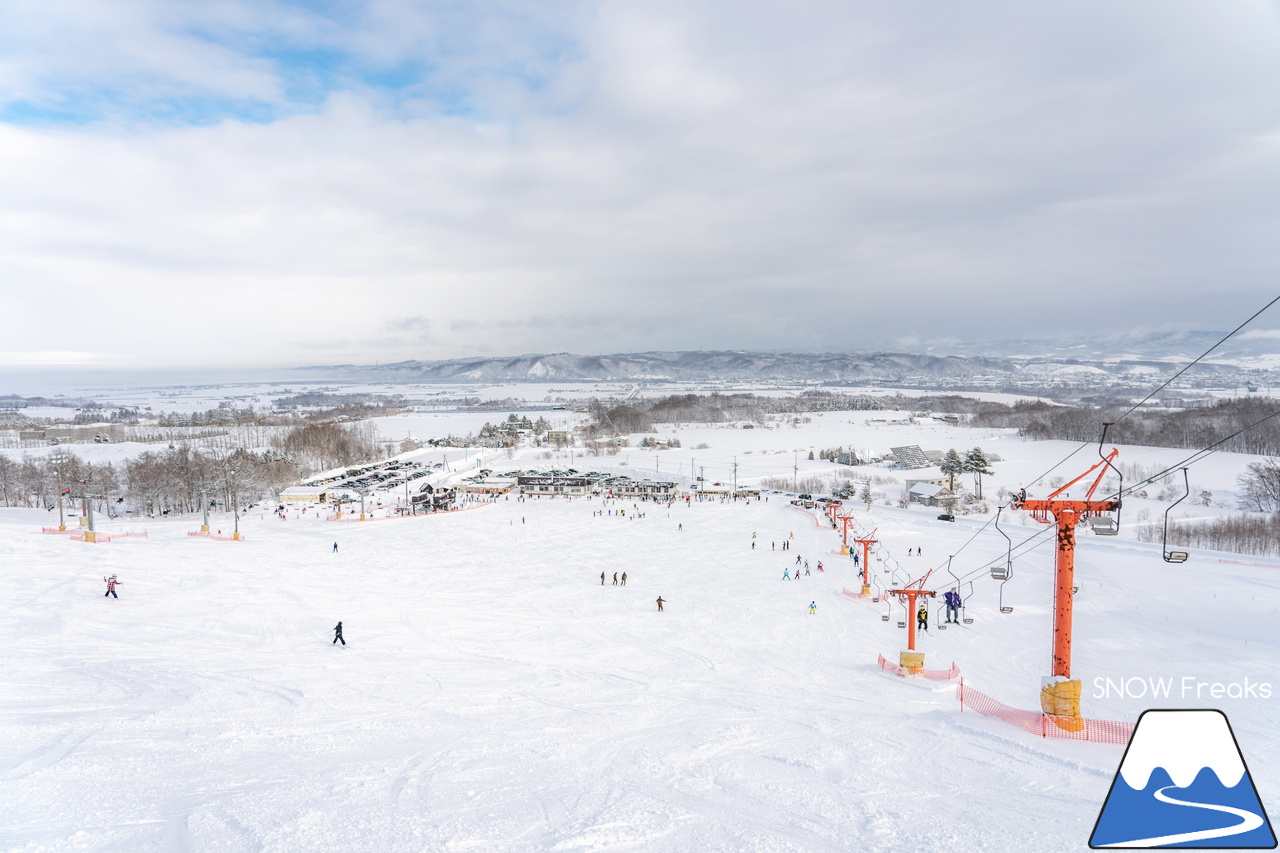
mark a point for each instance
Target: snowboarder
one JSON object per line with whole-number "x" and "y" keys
{"x": 659, "y": 604}
{"x": 813, "y": 608}
{"x": 337, "y": 634}
{"x": 820, "y": 565}
{"x": 111, "y": 583}
{"x": 922, "y": 618}
{"x": 335, "y": 546}
{"x": 624, "y": 578}
{"x": 953, "y": 605}
{"x": 615, "y": 578}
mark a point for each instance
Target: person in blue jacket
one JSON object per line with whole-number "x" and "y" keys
{"x": 953, "y": 605}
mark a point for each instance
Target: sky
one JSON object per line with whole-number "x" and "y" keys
{"x": 259, "y": 183}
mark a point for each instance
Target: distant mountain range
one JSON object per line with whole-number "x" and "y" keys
{"x": 1097, "y": 362}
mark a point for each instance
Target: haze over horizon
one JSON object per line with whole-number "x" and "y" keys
{"x": 278, "y": 184}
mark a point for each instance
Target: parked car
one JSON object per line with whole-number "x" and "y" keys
{"x": 946, "y": 516}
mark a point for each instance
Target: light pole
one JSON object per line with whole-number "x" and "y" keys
{"x": 59, "y": 459}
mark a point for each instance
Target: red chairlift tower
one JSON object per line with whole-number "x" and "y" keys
{"x": 1067, "y": 514}
{"x": 911, "y": 659}
{"x": 866, "y": 561}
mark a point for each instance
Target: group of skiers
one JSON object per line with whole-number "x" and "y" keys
{"x": 615, "y": 579}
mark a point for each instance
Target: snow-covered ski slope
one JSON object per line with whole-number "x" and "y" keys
{"x": 494, "y": 697}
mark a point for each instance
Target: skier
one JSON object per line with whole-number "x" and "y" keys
{"x": 680, "y": 526}
{"x": 111, "y": 583}
{"x": 615, "y": 578}
{"x": 624, "y": 578}
{"x": 753, "y": 544}
{"x": 659, "y": 604}
{"x": 856, "y": 559}
{"x": 953, "y": 605}
{"x": 602, "y": 579}
{"x": 922, "y": 618}
{"x": 797, "y": 559}
{"x": 820, "y": 565}
{"x": 806, "y": 568}
{"x": 335, "y": 547}
{"x": 813, "y": 608}
{"x": 337, "y": 634}
{"x": 786, "y": 574}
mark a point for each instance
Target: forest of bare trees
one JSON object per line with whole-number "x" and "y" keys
{"x": 172, "y": 480}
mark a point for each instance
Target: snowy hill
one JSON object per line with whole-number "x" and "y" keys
{"x": 494, "y": 695}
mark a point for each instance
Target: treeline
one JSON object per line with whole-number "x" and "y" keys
{"x": 171, "y": 480}
{"x": 1256, "y": 535}
{"x": 609, "y": 417}
{"x": 1198, "y": 427}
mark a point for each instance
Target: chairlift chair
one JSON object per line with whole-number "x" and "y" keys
{"x": 1007, "y": 570}
{"x": 1104, "y": 525}
{"x": 1174, "y": 556}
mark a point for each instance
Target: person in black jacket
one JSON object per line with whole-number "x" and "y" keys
{"x": 337, "y": 634}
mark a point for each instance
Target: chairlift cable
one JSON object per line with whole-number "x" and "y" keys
{"x": 1164, "y": 385}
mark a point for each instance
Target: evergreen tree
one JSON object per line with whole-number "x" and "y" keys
{"x": 977, "y": 464}
{"x": 951, "y": 465}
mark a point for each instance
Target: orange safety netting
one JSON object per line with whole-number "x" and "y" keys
{"x": 214, "y": 536}
{"x": 853, "y": 594}
{"x": 1038, "y": 723}
{"x": 933, "y": 674}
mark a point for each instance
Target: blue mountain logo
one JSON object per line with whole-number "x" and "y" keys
{"x": 1183, "y": 783}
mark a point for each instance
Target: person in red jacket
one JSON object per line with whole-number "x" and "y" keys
{"x": 111, "y": 583}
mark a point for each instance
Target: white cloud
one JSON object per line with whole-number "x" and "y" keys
{"x": 666, "y": 177}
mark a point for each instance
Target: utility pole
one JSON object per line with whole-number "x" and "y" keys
{"x": 795, "y": 472}
{"x": 235, "y": 511}
{"x": 735, "y": 478}
{"x": 204, "y": 506}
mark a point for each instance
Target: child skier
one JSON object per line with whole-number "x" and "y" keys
{"x": 111, "y": 583}
{"x": 922, "y": 618}
{"x": 813, "y": 607}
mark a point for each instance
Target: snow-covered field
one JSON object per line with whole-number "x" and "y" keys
{"x": 494, "y": 696}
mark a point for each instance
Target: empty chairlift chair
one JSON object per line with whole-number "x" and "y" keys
{"x": 1175, "y": 556}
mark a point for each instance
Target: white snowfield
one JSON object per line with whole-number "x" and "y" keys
{"x": 493, "y": 696}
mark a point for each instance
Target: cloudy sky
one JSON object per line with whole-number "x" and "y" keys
{"x": 219, "y": 182}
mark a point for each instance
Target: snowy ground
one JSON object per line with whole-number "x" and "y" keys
{"x": 493, "y": 696}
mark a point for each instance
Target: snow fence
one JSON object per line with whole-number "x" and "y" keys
{"x": 1039, "y": 723}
